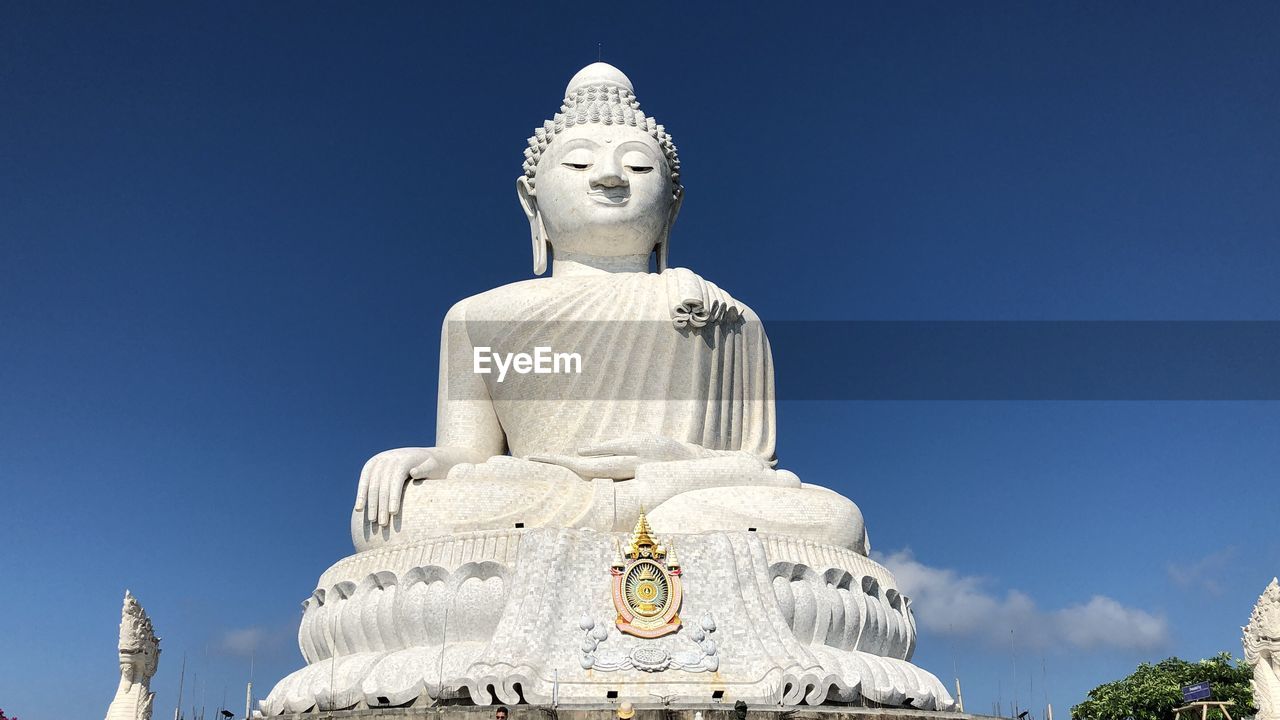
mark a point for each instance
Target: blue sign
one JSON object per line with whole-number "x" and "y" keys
{"x": 1199, "y": 691}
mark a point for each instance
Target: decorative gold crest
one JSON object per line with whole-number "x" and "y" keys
{"x": 646, "y": 586}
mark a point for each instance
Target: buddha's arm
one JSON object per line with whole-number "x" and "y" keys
{"x": 467, "y": 430}
{"x": 465, "y": 418}
{"x": 760, "y": 420}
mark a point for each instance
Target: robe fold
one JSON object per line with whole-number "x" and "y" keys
{"x": 668, "y": 354}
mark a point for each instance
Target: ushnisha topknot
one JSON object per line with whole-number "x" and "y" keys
{"x": 600, "y": 93}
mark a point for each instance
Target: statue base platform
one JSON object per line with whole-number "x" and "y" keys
{"x": 528, "y": 616}
{"x": 712, "y": 711}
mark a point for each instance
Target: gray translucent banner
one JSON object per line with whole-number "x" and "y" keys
{"x": 865, "y": 360}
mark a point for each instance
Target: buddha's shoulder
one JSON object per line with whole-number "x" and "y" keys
{"x": 518, "y": 299}
{"x": 688, "y": 284}
{"x": 502, "y": 301}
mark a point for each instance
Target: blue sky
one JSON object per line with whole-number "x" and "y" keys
{"x": 228, "y": 233}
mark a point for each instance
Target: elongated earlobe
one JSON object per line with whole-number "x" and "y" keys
{"x": 537, "y": 231}
{"x": 664, "y": 242}
{"x": 539, "y": 246}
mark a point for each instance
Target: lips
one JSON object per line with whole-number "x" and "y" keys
{"x": 610, "y": 196}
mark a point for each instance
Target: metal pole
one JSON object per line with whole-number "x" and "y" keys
{"x": 177, "y": 710}
{"x": 1013, "y": 655}
{"x": 444, "y": 643}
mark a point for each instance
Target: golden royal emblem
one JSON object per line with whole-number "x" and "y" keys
{"x": 646, "y": 586}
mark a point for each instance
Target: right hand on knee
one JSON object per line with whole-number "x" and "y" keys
{"x": 384, "y": 476}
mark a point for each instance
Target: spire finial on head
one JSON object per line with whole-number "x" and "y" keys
{"x": 598, "y": 73}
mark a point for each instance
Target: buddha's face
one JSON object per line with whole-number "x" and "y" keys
{"x": 604, "y": 190}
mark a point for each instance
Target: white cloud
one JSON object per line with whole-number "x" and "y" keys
{"x": 1204, "y": 573}
{"x": 949, "y": 603}
{"x": 1103, "y": 622}
{"x": 243, "y": 641}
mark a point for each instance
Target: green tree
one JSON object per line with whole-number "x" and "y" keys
{"x": 1153, "y": 691}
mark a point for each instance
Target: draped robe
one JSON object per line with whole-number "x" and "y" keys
{"x": 649, "y": 363}
{"x": 666, "y": 354}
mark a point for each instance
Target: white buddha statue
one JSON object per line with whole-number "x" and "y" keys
{"x": 487, "y": 567}
{"x": 672, "y": 412}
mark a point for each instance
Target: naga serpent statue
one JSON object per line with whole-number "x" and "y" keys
{"x": 1262, "y": 650}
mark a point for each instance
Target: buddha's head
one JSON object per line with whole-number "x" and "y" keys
{"x": 600, "y": 178}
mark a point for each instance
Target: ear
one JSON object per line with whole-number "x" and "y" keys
{"x": 538, "y": 233}
{"x": 665, "y": 241}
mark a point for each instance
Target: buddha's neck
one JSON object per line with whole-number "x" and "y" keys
{"x": 570, "y": 264}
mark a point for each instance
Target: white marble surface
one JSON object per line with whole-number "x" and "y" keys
{"x": 139, "y": 654}
{"x": 520, "y": 614}
{"x": 674, "y": 392}
{"x": 482, "y": 564}
{"x": 1262, "y": 650}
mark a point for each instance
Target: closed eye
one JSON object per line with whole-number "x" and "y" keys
{"x": 577, "y": 166}
{"x": 641, "y": 169}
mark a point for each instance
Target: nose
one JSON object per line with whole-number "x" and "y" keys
{"x": 607, "y": 173}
